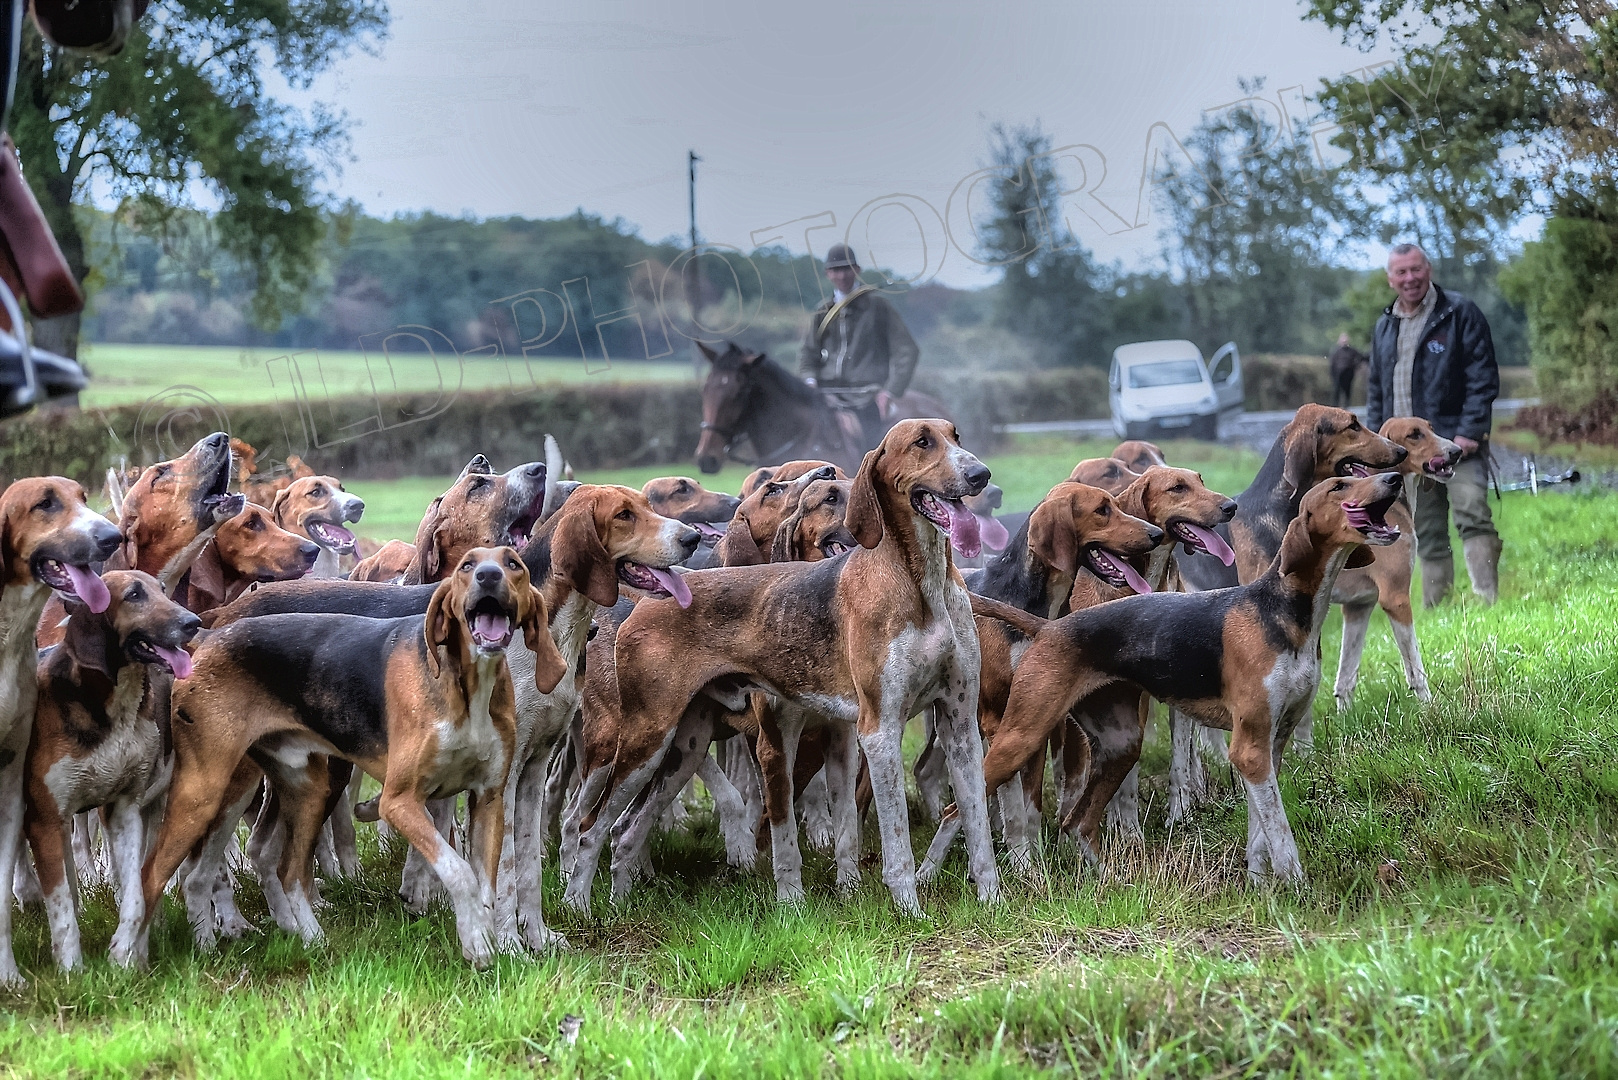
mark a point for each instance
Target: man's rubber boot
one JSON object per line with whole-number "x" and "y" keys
{"x": 1437, "y": 575}
{"x": 1483, "y": 563}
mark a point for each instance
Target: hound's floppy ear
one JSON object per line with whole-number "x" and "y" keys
{"x": 275, "y": 503}
{"x": 580, "y": 556}
{"x": 737, "y": 547}
{"x": 1298, "y": 467}
{"x": 86, "y": 639}
{"x": 206, "y": 579}
{"x": 864, "y": 516}
{"x": 1296, "y": 547}
{"x": 1363, "y": 556}
{"x": 436, "y": 628}
{"x": 1051, "y": 537}
{"x": 549, "y": 667}
{"x": 785, "y": 546}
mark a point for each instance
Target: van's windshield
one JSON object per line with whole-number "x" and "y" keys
{"x": 1164, "y": 373}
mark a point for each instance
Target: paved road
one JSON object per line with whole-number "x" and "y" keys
{"x": 1255, "y": 429}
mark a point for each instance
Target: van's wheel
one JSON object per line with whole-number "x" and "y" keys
{"x": 1134, "y": 431}
{"x": 1206, "y": 428}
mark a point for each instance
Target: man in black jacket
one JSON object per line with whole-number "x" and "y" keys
{"x": 1432, "y": 356}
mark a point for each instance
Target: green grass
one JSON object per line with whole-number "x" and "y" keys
{"x": 131, "y": 374}
{"x": 1027, "y": 468}
{"x": 1461, "y": 916}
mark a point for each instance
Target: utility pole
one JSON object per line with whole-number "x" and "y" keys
{"x": 693, "y": 291}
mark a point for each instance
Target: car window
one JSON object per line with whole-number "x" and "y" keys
{"x": 1164, "y": 373}
{"x": 1223, "y": 368}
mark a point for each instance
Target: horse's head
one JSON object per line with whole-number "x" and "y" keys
{"x": 724, "y": 402}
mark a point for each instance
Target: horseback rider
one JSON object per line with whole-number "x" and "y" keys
{"x": 857, "y": 351}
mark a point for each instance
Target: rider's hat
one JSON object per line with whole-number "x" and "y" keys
{"x": 840, "y": 255}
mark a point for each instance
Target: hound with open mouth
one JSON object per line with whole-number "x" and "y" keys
{"x": 100, "y": 743}
{"x": 319, "y": 508}
{"x": 424, "y": 704}
{"x": 1246, "y": 659}
{"x": 1386, "y": 582}
{"x": 868, "y": 638}
{"x": 51, "y": 542}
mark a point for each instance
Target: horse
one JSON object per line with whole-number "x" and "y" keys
{"x": 783, "y": 417}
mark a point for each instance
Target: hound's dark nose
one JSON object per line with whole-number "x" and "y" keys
{"x": 106, "y": 537}
{"x": 1228, "y": 508}
{"x": 977, "y": 477}
{"x": 217, "y": 441}
{"x": 489, "y": 575}
{"x": 689, "y": 539}
{"x": 189, "y": 625}
{"x": 355, "y": 509}
{"x": 1400, "y": 453}
{"x": 1391, "y": 480}
{"x": 310, "y": 552}
{"x": 535, "y": 470}
{"x": 708, "y": 464}
{"x": 1154, "y": 534}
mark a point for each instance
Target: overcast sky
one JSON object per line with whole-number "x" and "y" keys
{"x": 537, "y": 108}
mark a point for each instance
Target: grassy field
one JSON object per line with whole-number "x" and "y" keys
{"x": 1026, "y": 469}
{"x": 1461, "y": 917}
{"x": 129, "y": 374}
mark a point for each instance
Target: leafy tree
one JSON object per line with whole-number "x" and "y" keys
{"x": 182, "y": 118}
{"x": 1051, "y": 292}
{"x": 1254, "y": 226}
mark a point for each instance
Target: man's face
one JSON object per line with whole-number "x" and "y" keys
{"x": 843, "y": 278}
{"x": 1409, "y": 275}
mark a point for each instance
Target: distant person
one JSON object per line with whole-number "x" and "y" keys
{"x": 857, "y": 350}
{"x": 1432, "y": 356}
{"x": 1344, "y": 361}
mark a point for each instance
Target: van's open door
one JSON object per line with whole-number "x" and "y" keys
{"x": 1226, "y": 371}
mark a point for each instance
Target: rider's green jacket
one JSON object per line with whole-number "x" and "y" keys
{"x": 864, "y": 343}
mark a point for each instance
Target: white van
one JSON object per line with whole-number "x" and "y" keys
{"x": 1163, "y": 388}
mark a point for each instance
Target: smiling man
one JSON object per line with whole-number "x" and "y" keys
{"x": 1432, "y": 356}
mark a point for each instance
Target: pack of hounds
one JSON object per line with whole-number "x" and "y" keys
{"x": 569, "y": 657}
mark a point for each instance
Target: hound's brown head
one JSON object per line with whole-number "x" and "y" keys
{"x": 605, "y": 534}
{"x": 140, "y": 625}
{"x": 1138, "y": 455}
{"x": 252, "y": 546}
{"x": 1430, "y": 453}
{"x": 1179, "y": 503}
{"x": 751, "y": 536}
{"x": 684, "y": 499}
{"x": 174, "y": 501}
{"x": 319, "y": 508}
{"x": 726, "y": 395}
{"x": 920, "y": 464}
{"x": 1080, "y": 525}
{"x": 787, "y": 470}
{"x": 1108, "y": 474}
{"x": 1321, "y": 441}
{"x": 477, "y": 609}
{"x": 1341, "y": 512}
{"x": 480, "y": 509}
{"x": 817, "y": 529}
{"x": 49, "y": 535}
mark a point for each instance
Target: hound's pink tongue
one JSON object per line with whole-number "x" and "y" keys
{"x": 1213, "y": 542}
{"x": 178, "y": 659}
{"x": 491, "y": 627}
{"x": 708, "y": 531}
{"x": 963, "y": 529}
{"x": 674, "y": 584}
{"x": 87, "y": 586}
{"x": 1134, "y": 579}
{"x": 995, "y": 536}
